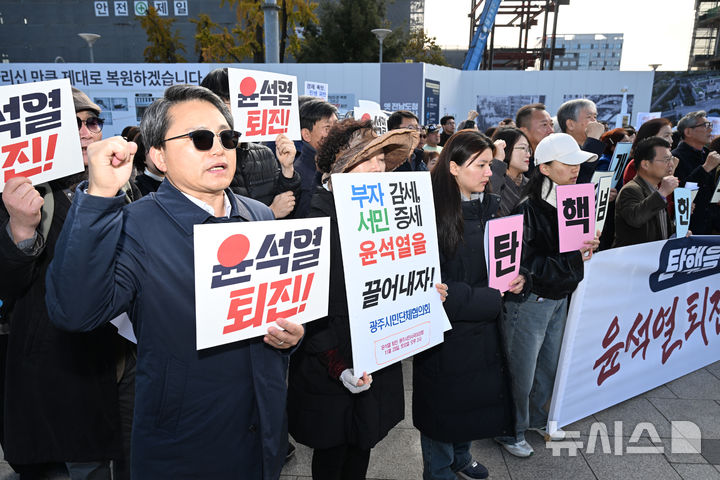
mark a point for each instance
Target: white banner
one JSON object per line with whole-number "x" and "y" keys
{"x": 123, "y": 91}
{"x": 317, "y": 90}
{"x": 644, "y": 315}
{"x": 390, "y": 256}
{"x": 264, "y": 105}
{"x": 38, "y": 132}
{"x": 249, "y": 274}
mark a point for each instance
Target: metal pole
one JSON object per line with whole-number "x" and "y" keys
{"x": 544, "y": 35}
{"x": 381, "y": 47}
{"x": 272, "y": 32}
{"x": 92, "y": 57}
{"x": 552, "y": 43}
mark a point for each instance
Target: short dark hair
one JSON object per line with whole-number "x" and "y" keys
{"x": 218, "y": 82}
{"x": 313, "y": 111}
{"x": 524, "y": 114}
{"x": 156, "y": 119}
{"x": 645, "y": 149}
{"x": 446, "y": 119}
{"x": 396, "y": 118}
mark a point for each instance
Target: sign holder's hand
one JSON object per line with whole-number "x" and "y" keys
{"x": 24, "y": 205}
{"x": 287, "y": 336}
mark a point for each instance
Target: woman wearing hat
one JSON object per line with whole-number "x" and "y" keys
{"x": 534, "y": 328}
{"x": 340, "y": 413}
{"x": 461, "y": 388}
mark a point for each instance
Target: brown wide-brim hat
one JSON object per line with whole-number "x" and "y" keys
{"x": 397, "y": 145}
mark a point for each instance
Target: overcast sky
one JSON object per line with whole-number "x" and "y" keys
{"x": 655, "y": 31}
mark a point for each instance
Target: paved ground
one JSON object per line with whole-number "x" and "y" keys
{"x": 631, "y": 452}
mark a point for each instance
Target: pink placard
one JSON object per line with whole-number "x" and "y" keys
{"x": 576, "y": 215}
{"x": 503, "y": 247}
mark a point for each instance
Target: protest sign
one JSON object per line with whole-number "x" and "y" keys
{"x": 643, "y": 117}
{"x": 368, "y": 110}
{"x": 576, "y": 215}
{"x": 619, "y": 161}
{"x": 682, "y": 211}
{"x": 390, "y": 255}
{"x": 715, "y": 125}
{"x": 503, "y": 250}
{"x": 317, "y": 90}
{"x": 598, "y": 175}
{"x": 694, "y": 188}
{"x": 38, "y": 132}
{"x": 264, "y": 105}
{"x": 657, "y": 319}
{"x": 716, "y": 196}
{"x": 248, "y": 275}
{"x": 602, "y": 201}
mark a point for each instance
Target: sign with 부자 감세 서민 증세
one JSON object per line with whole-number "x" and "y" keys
{"x": 38, "y": 132}
{"x": 643, "y": 315}
{"x": 391, "y": 262}
{"x": 249, "y": 274}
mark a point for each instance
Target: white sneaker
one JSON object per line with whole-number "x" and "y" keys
{"x": 519, "y": 449}
{"x": 556, "y": 436}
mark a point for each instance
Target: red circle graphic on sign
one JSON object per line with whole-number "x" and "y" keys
{"x": 247, "y": 86}
{"x": 233, "y": 250}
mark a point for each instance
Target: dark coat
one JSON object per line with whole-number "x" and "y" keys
{"x": 705, "y": 219}
{"x": 146, "y": 184}
{"x": 553, "y": 274}
{"x": 461, "y": 388}
{"x": 305, "y": 166}
{"x": 258, "y": 174}
{"x": 322, "y": 413}
{"x": 217, "y": 413}
{"x": 636, "y": 214}
{"x": 61, "y": 391}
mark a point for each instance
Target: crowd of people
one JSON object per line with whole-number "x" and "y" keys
{"x": 78, "y": 252}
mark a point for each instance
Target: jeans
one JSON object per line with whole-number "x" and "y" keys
{"x": 533, "y": 332}
{"x": 441, "y": 460}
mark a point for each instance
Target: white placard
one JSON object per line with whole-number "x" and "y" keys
{"x": 643, "y": 316}
{"x": 716, "y": 195}
{"x": 643, "y": 117}
{"x": 264, "y": 105}
{"x": 38, "y": 132}
{"x": 317, "y": 90}
{"x": 369, "y": 110}
{"x": 249, "y": 274}
{"x": 602, "y": 201}
{"x": 390, "y": 256}
{"x": 619, "y": 161}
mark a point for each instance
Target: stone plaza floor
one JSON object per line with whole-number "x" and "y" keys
{"x": 693, "y": 398}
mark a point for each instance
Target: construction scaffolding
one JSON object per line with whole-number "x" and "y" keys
{"x": 520, "y": 14}
{"x": 704, "y": 49}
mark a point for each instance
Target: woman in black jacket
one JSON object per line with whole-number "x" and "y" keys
{"x": 339, "y": 414}
{"x": 461, "y": 389}
{"x": 533, "y": 329}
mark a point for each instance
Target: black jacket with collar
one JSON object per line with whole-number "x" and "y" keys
{"x": 258, "y": 174}
{"x": 554, "y": 275}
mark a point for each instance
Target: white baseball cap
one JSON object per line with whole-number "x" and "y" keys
{"x": 563, "y": 148}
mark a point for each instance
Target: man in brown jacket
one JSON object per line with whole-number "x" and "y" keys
{"x": 640, "y": 210}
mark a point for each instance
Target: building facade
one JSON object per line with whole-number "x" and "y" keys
{"x": 704, "y": 49}
{"x": 599, "y": 51}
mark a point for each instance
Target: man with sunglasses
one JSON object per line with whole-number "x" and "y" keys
{"x": 64, "y": 390}
{"x": 217, "y": 413}
{"x": 698, "y": 165}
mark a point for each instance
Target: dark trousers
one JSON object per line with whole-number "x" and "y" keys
{"x": 344, "y": 462}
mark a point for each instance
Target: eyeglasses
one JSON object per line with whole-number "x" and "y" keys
{"x": 412, "y": 127}
{"x": 423, "y": 136}
{"x": 706, "y": 125}
{"x": 94, "y": 124}
{"x": 525, "y": 149}
{"x": 204, "y": 139}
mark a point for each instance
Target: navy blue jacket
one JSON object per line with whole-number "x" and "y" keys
{"x": 309, "y": 179}
{"x": 216, "y": 413}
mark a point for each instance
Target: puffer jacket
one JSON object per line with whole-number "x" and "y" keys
{"x": 258, "y": 174}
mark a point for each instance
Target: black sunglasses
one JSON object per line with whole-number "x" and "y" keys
{"x": 203, "y": 139}
{"x": 94, "y": 124}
